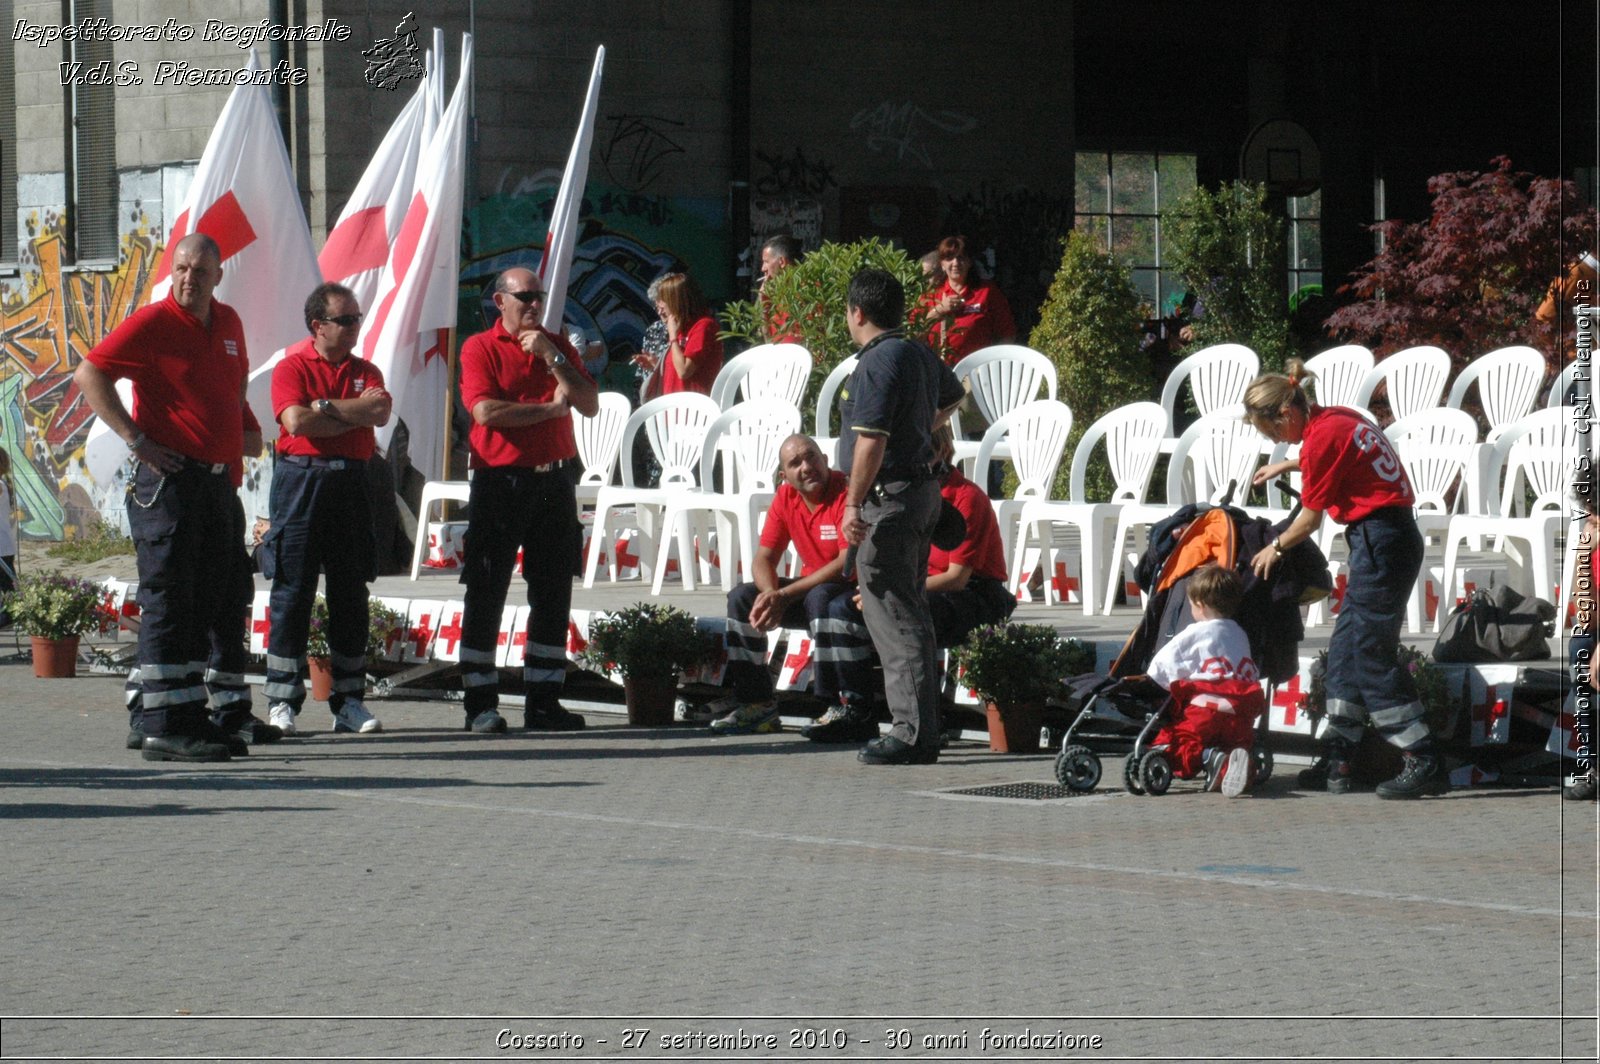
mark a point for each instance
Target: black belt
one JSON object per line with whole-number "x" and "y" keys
{"x": 213, "y": 468}
{"x": 317, "y": 461}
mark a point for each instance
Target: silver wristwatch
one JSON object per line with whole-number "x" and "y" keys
{"x": 559, "y": 360}
{"x": 325, "y": 406}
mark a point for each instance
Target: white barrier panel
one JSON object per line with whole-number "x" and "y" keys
{"x": 422, "y": 625}
{"x": 447, "y": 638}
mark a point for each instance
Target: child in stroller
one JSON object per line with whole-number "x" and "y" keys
{"x": 1213, "y": 686}
{"x": 1128, "y": 699}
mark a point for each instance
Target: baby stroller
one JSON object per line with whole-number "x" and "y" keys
{"x": 1125, "y": 711}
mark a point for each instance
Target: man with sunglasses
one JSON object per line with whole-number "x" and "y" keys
{"x": 327, "y": 402}
{"x": 520, "y": 383}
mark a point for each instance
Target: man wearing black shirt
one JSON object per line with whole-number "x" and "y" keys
{"x": 889, "y": 407}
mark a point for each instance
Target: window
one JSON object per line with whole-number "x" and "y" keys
{"x": 1119, "y": 199}
{"x": 1304, "y": 245}
{"x": 91, "y": 145}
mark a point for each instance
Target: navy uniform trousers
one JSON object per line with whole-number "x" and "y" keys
{"x": 321, "y": 525}
{"x": 194, "y": 599}
{"x": 535, "y": 510}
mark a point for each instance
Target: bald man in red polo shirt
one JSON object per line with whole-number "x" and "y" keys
{"x": 520, "y": 383}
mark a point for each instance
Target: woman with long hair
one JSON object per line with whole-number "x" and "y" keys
{"x": 1350, "y": 471}
{"x": 693, "y": 357}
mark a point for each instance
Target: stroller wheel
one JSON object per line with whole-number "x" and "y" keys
{"x": 1078, "y": 768}
{"x": 1130, "y": 775}
{"x": 1263, "y": 766}
{"x": 1155, "y": 773}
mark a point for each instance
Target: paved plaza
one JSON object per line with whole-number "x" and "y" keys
{"x": 425, "y": 893}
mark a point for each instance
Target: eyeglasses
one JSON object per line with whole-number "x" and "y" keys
{"x": 527, "y": 297}
{"x": 344, "y": 321}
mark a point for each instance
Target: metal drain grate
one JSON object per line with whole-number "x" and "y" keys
{"x": 1028, "y": 792}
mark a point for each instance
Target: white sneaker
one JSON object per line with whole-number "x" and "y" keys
{"x": 281, "y": 716}
{"x": 353, "y": 717}
{"x": 1236, "y": 773}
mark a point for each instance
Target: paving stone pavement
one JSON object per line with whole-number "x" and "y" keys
{"x": 423, "y": 892}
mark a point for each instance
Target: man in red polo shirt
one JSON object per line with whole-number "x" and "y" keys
{"x": 327, "y": 402}
{"x": 188, "y": 431}
{"x": 808, "y": 511}
{"x": 520, "y": 383}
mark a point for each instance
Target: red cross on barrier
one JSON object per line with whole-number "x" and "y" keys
{"x": 1289, "y": 697}
{"x": 450, "y": 632}
{"x": 421, "y": 635}
{"x": 575, "y": 641}
{"x": 799, "y": 659}
{"x": 1065, "y": 585}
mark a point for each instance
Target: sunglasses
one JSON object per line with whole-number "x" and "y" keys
{"x": 527, "y": 297}
{"x": 344, "y": 321}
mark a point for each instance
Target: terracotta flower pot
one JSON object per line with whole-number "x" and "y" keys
{"x": 321, "y": 670}
{"x": 55, "y": 659}
{"x": 1016, "y": 729}
{"x": 649, "y": 700}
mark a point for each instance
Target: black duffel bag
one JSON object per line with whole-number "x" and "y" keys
{"x": 1499, "y": 624}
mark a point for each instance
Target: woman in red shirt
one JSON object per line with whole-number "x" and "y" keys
{"x": 966, "y": 313}
{"x": 1350, "y": 471}
{"x": 694, "y": 353}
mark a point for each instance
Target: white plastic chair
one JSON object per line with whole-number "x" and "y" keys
{"x": 827, "y": 442}
{"x": 1220, "y": 449}
{"x": 748, "y": 437}
{"x": 1217, "y": 377}
{"x": 599, "y": 441}
{"x": 1557, "y": 395}
{"x": 1001, "y": 378}
{"x": 1434, "y": 447}
{"x": 1414, "y": 378}
{"x": 1131, "y": 435}
{"x": 1533, "y": 454}
{"x": 1339, "y": 374}
{"x": 766, "y": 371}
{"x": 1508, "y": 382}
{"x": 676, "y": 427}
{"x": 440, "y": 492}
{"x": 1036, "y": 435}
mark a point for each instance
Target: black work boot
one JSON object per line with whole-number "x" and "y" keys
{"x": 1423, "y": 774}
{"x": 551, "y": 716}
{"x": 851, "y": 722}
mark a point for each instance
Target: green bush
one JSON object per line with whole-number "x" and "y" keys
{"x": 1089, "y": 327}
{"x": 648, "y": 640}
{"x": 1228, "y": 250}
{"x": 92, "y": 543}
{"x": 811, "y": 296}
{"x": 1012, "y": 664}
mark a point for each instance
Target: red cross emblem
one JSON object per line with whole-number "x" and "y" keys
{"x": 261, "y": 625}
{"x": 576, "y": 644}
{"x": 1064, "y": 585}
{"x": 450, "y": 632}
{"x": 796, "y": 662}
{"x": 421, "y": 635}
{"x": 1290, "y": 699}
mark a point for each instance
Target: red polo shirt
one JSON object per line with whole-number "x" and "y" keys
{"x": 494, "y": 366}
{"x": 815, "y": 533}
{"x": 983, "y": 320}
{"x": 981, "y": 551}
{"x": 303, "y": 377}
{"x": 1348, "y": 467}
{"x": 700, "y": 346}
{"x": 188, "y": 378}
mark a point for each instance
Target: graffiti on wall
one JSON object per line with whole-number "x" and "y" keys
{"x": 626, "y": 240}
{"x": 902, "y": 128}
{"x": 50, "y": 317}
{"x": 637, "y": 151}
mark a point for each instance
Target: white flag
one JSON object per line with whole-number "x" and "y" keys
{"x": 424, "y": 254}
{"x": 243, "y": 196}
{"x": 555, "y": 268}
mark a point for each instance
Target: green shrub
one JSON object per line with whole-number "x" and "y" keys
{"x": 1228, "y": 250}
{"x": 648, "y": 640}
{"x": 1089, "y": 327}
{"x": 1012, "y": 664}
{"x": 92, "y": 543}
{"x": 811, "y": 297}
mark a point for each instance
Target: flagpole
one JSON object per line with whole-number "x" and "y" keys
{"x": 449, "y": 402}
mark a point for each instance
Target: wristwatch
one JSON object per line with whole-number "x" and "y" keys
{"x": 324, "y": 406}
{"x": 559, "y": 360}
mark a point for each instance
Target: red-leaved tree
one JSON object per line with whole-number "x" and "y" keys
{"x": 1470, "y": 277}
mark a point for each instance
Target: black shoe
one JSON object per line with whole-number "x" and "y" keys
{"x": 135, "y": 739}
{"x": 236, "y": 746}
{"x": 888, "y": 750}
{"x": 1315, "y": 778}
{"x": 841, "y": 725}
{"x": 257, "y": 732}
{"x": 182, "y": 748}
{"x": 552, "y": 718}
{"x": 1581, "y": 789}
{"x": 488, "y": 722}
{"x": 1424, "y": 774}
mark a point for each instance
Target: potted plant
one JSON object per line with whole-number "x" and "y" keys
{"x": 56, "y": 610}
{"x": 384, "y": 626}
{"x": 649, "y": 645}
{"x": 1013, "y": 667}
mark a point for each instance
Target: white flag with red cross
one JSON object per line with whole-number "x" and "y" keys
{"x": 243, "y": 196}
{"x": 447, "y": 640}
{"x": 399, "y": 336}
{"x": 1286, "y": 711}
